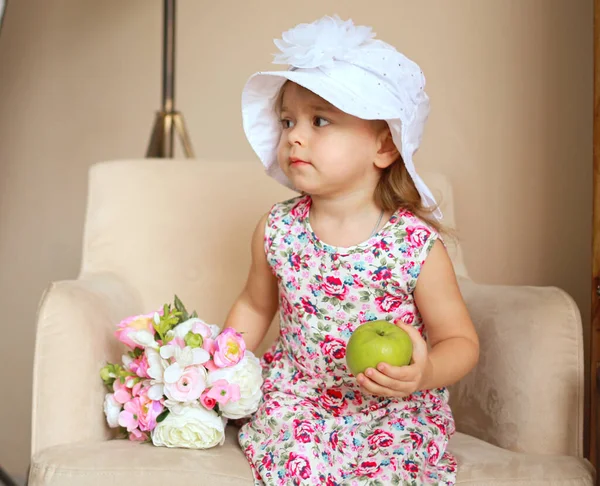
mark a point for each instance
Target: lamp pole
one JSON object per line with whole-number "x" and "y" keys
{"x": 168, "y": 122}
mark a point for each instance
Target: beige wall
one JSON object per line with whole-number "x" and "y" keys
{"x": 511, "y": 89}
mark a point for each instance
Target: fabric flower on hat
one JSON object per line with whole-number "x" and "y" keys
{"x": 321, "y": 42}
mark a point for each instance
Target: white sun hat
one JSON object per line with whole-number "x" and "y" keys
{"x": 343, "y": 64}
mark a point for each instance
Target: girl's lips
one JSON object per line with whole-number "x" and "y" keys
{"x": 298, "y": 162}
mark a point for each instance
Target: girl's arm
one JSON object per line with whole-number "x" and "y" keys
{"x": 454, "y": 345}
{"x": 255, "y": 308}
{"x": 450, "y": 331}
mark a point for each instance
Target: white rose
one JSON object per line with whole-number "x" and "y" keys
{"x": 112, "y": 409}
{"x": 247, "y": 374}
{"x": 192, "y": 428}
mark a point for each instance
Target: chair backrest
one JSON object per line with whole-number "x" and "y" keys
{"x": 184, "y": 227}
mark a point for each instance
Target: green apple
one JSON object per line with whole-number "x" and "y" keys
{"x": 378, "y": 342}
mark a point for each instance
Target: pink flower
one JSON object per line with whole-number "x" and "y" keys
{"x": 188, "y": 385}
{"x": 333, "y": 400}
{"x": 333, "y": 346}
{"x": 137, "y": 435}
{"x": 207, "y": 401}
{"x": 367, "y": 468}
{"x": 208, "y": 345}
{"x": 286, "y": 306}
{"x": 334, "y": 287}
{"x": 129, "y": 417}
{"x": 223, "y": 392}
{"x": 298, "y": 465}
{"x": 139, "y": 366}
{"x": 380, "y": 438}
{"x": 434, "y": 453}
{"x": 229, "y": 348}
{"x": 149, "y": 410}
{"x": 303, "y": 430}
{"x": 133, "y": 324}
{"x": 210, "y": 365}
{"x": 407, "y": 317}
{"x": 389, "y": 303}
{"x": 417, "y": 235}
{"x": 267, "y": 460}
{"x": 122, "y": 393}
{"x": 140, "y": 412}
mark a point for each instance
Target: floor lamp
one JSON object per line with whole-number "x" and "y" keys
{"x": 168, "y": 122}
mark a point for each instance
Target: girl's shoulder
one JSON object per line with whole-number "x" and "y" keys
{"x": 286, "y": 212}
{"x": 415, "y": 234}
{"x": 282, "y": 217}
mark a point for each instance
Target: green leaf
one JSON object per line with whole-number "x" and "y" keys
{"x": 348, "y": 306}
{"x": 162, "y": 416}
{"x": 194, "y": 315}
{"x": 181, "y": 308}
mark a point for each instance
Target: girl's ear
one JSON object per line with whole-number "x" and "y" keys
{"x": 387, "y": 153}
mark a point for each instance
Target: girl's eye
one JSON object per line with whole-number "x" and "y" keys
{"x": 287, "y": 124}
{"x": 320, "y": 122}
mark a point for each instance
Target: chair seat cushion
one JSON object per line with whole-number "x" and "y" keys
{"x": 120, "y": 462}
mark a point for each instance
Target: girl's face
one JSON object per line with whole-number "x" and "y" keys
{"x": 324, "y": 151}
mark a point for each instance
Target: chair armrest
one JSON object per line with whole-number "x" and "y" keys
{"x": 526, "y": 392}
{"x": 74, "y": 337}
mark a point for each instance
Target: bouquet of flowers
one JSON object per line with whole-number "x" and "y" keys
{"x": 180, "y": 380}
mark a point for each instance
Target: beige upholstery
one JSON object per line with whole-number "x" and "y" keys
{"x": 158, "y": 227}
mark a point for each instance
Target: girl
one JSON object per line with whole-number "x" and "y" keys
{"x": 341, "y": 126}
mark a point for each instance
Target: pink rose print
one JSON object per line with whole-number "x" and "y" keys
{"x": 334, "y": 439}
{"x": 439, "y": 422}
{"x": 286, "y": 306}
{"x": 298, "y": 466}
{"x": 334, "y": 287}
{"x": 267, "y": 460}
{"x": 380, "y": 438}
{"x": 334, "y": 400}
{"x": 368, "y": 469}
{"x": 294, "y": 261}
{"x": 412, "y": 467}
{"x": 333, "y": 347}
{"x": 416, "y": 439}
{"x": 308, "y": 306}
{"x": 303, "y": 430}
{"x": 434, "y": 453}
{"x": 389, "y": 303}
{"x": 301, "y": 210}
{"x": 382, "y": 245}
{"x": 417, "y": 235}
{"x": 407, "y": 317}
{"x": 382, "y": 273}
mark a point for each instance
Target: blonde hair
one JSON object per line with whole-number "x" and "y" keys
{"x": 395, "y": 189}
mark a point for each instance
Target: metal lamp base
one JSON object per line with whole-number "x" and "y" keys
{"x": 166, "y": 126}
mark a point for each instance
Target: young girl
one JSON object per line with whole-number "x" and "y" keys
{"x": 340, "y": 126}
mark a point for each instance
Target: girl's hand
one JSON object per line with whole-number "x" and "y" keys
{"x": 399, "y": 381}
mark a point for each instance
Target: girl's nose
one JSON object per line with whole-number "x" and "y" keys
{"x": 297, "y": 135}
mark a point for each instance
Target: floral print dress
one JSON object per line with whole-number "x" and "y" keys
{"x": 314, "y": 426}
